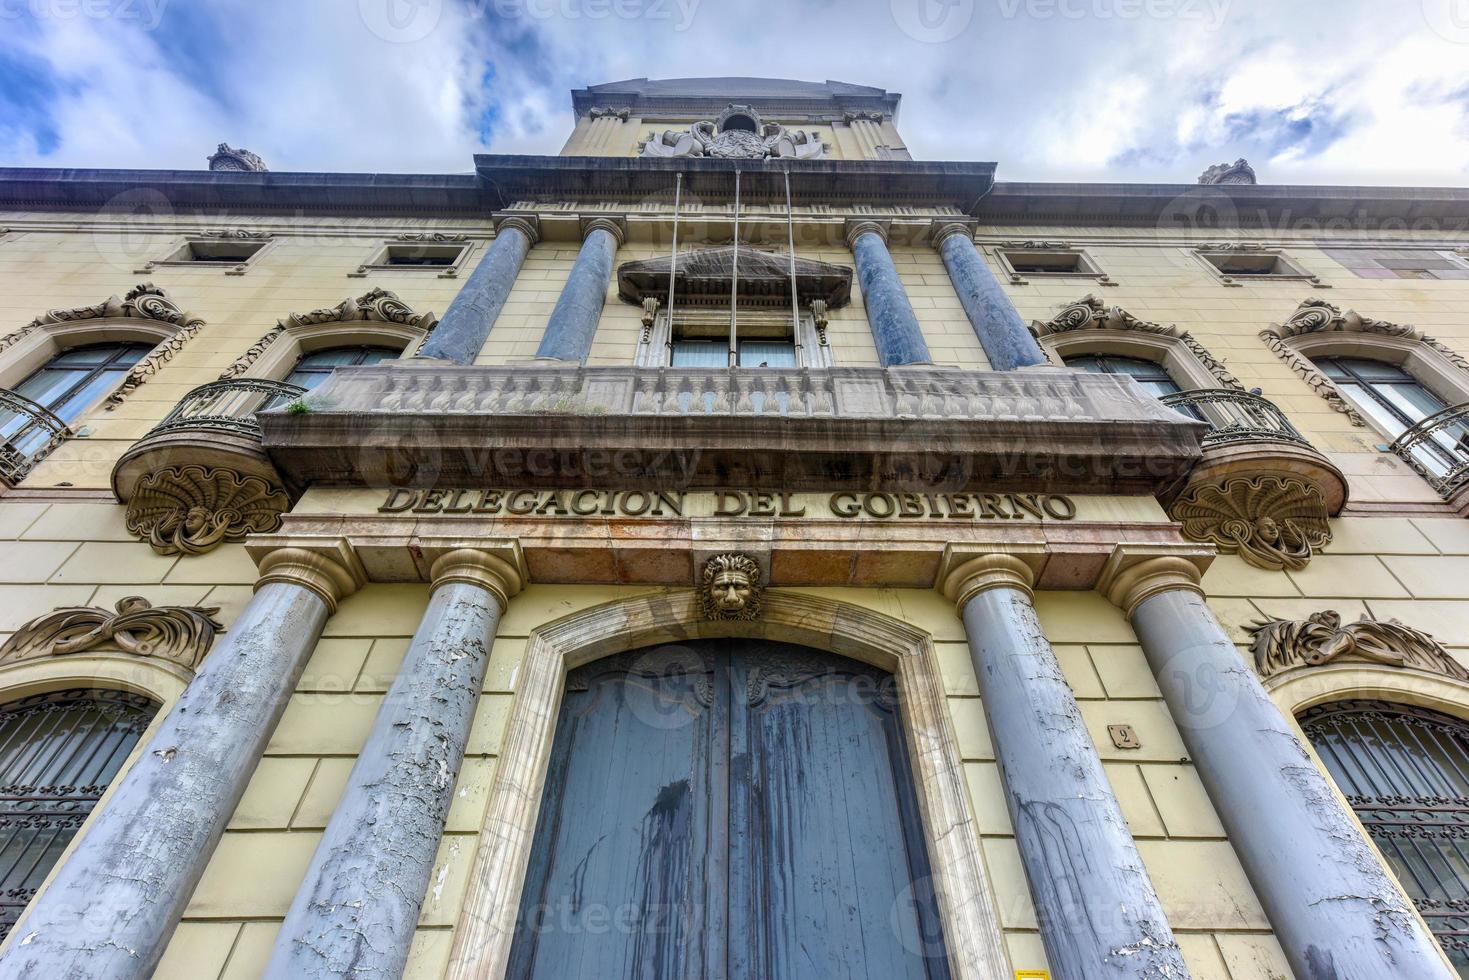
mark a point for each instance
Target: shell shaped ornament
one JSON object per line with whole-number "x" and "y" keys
{"x": 1272, "y": 523}
{"x": 193, "y": 509}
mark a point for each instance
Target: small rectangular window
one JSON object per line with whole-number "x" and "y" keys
{"x": 436, "y": 255}
{"x": 1021, "y": 263}
{"x": 232, "y": 254}
{"x": 444, "y": 257}
{"x": 220, "y": 251}
{"x": 1255, "y": 264}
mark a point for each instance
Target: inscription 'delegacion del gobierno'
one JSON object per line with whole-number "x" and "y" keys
{"x": 732, "y": 503}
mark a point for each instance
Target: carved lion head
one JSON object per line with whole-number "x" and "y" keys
{"x": 730, "y": 587}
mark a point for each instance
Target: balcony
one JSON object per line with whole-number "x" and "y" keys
{"x": 548, "y": 425}
{"x": 1261, "y": 490}
{"x": 1438, "y": 449}
{"x": 200, "y": 477}
{"x": 30, "y": 432}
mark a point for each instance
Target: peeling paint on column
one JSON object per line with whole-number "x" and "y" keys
{"x": 359, "y": 904}
{"x": 1334, "y": 908}
{"x": 1098, "y": 912}
{"x": 133, "y": 872}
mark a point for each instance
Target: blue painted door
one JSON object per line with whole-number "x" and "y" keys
{"x": 730, "y": 810}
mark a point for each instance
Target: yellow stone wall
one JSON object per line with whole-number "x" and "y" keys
{"x": 70, "y": 548}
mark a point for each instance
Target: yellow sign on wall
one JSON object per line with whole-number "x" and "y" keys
{"x": 1032, "y": 975}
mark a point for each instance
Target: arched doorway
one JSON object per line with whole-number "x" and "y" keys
{"x": 1405, "y": 772}
{"x": 729, "y": 808}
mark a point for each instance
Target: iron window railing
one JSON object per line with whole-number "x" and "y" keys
{"x": 228, "y": 406}
{"x": 1438, "y": 448}
{"x": 1405, "y": 771}
{"x": 1235, "y": 416}
{"x": 58, "y": 753}
{"x": 30, "y": 434}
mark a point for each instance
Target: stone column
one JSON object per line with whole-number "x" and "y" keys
{"x": 114, "y": 903}
{"x": 1331, "y": 902}
{"x": 1099, "y": 914}
{"x": 895, "y": 328}
{"x": 573, "y": 322}
{"x": 357, "y": 909}
{"x": 1007, "y": 341}
{"x": 465, "y": 325}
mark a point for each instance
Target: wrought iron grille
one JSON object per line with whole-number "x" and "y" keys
{"x": 1405, "y": 771}
{"x": 228, "y": 406}
{"x": 1235, "y": 416}
{"x": 1438, "y": 448}
{"x": 58, "y": 753}
{"x": 30, "y": 433}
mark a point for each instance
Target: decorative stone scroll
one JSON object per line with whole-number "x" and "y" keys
{"x": 193, "y": 509}
{"x": 1239, "y": 172}
{"x": 376, "y": 305}
{"x": 144, "y": 301}
{"x": 1273, "y": 522}
{"x": 1280, "y": 645}
{"x": 230, "y": 159}
{"x": 622, "y": 113}
{"x": 1316, "y": 316}
{"x": 1090, "y": 313}
{"x": 381, "y": 305}
{"x": 730, "y": 587}
{"x": 178, "y": 634}
{"x": 728, "y": 138}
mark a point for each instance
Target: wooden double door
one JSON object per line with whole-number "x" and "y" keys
{"x": 730, "y": 810}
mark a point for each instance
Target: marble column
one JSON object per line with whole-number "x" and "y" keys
{"x": 1334, "y": 908}
{"x": 895, "y": 328}
{"x": 1007, "y": 341}
{"x": 573, "y": 322}
{"x": 462, "y": 331}
{"x": 357, "y": 909}
{"x": 1099, "y": 914}
{"x": 113, "y": 904}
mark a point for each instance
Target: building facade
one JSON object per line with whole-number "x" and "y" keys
{"x": 782, "y": 558}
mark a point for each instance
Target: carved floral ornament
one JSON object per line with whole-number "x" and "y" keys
{"x": 1239, "y": 172}
{"x": 194, "y": 509}
{"x": 178, "y": 634}
{"x": 375, "y": 305}
{"x": 1090, "y": 313}
{"x": 1272, "y": 522}
{"x": 1317, "y": 316}
{"x": 1280, "y": 645}
{"x": 144, "y": 301}
{"x": 730, "y": 587}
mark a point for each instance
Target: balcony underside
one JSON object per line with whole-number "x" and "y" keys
{"x": 848, "y": 428}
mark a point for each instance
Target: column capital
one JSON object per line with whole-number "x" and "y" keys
{"x": 328, "y": 567}
{"x": 857, "y": 227}
{"x": 943, "y": 228}
{"x": 966, "y": 570}
{"x": 527, "y": 224}
{"x": 615, "y": 224}
{"x": 497, "y": 565}
{"x": 1135, "y": 572}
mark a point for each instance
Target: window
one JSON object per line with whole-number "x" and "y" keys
{"x": 75, "y": 380}
{"x": 1400, "y": 263}
{"x": 1021, "y": 263}
{"x": 1153, "y": 377}
{"x": 673, "y": 811}
{"x": 58, "y": 753}
{"x": 1396, "y": 401}
{"x": 444, "y": 256}
{"x": 1254, "y": 263}
{"x": 232, "y": 254}
{"x": 312, "y": 369}
{"x": 1405, "y": 771}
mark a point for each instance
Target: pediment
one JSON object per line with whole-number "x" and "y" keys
{"x": 703, "y": 278}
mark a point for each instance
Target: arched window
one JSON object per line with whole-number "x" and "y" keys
{"x": 58, "y": 753}
{"x": 314, "y": 367}
{"x": 1405, "y": 771}
{"x": 1396, "y": 401}
{"x": 1153, "y": 377}
{"x": 75, "y": 380}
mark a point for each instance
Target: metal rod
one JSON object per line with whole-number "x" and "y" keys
{"x": 734, "y": 282}
{"x": 673, "y": 258}
{"x": 791, "y": 239}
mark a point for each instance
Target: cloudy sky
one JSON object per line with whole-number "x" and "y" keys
{"x": 1310, "y": 91}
